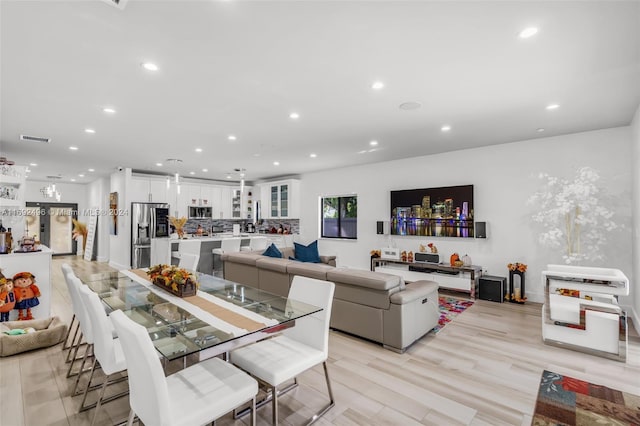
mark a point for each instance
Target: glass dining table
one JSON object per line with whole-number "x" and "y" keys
{"x": 178, "y": 330}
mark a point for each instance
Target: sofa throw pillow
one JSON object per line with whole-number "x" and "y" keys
{"x": 307, "y": 253}
{"x": 272, "y": 251}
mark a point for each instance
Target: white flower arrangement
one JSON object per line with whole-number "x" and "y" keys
{"x": 572, "y": 217}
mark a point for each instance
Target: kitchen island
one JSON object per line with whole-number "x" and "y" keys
{"x": 38, "y": 263}
{"x": 164, "y": 250}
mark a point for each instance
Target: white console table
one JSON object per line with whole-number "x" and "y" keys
{"x": 457, "y": 278}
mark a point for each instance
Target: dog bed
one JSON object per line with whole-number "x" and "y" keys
{"x": 48, "y": 332}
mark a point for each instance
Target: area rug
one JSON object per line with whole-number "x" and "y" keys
{"x": 450, "y": 307}
{"x": 564, "y": 400}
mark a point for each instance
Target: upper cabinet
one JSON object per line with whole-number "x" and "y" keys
{"x": 280, "y": 199}
{"x": 242, "y": 203}
{"x": 149, "y": 190}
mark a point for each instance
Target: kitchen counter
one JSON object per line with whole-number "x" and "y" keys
{"x": 163, "y": 249}
{"x": 39, "y": 264}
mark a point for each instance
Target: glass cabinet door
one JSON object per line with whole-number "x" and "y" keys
{"x": 284, "y": 200}
{"x": 274, "y": 201}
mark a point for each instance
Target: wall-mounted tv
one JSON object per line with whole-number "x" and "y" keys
{"x": 433, "y": 212}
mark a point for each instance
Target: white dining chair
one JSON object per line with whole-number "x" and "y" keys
{"x": 67, "y": 273}
{"x": 256, "y": 243}
{"x": 282, "y": 358}
{"x": 107, "y": 350}
{"x": 189, "y": 261}
{"x": 86, "y": 331}
{"x": 196, "y": 395}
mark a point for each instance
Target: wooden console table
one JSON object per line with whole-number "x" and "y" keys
{"x": 458, "y": 278}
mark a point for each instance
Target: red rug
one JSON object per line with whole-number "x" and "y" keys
{"x": 563, "y": 400}
{"x": 450, "y": 307}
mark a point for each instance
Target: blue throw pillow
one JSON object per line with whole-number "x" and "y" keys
{"x": 307, "y": 253}
{"x": 272, "y": 251}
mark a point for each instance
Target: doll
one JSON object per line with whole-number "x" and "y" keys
{"x": 7, "y": 298}
{"x": 26, "y": 293}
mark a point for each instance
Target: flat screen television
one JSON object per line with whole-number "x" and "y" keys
{"x": 433, "y": 212}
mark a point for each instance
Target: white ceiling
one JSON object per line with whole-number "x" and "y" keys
{"x": 240, "y": 67}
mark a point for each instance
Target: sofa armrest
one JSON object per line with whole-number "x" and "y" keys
{"x": 329, "y": 260}
{"x": 413, "y": 291}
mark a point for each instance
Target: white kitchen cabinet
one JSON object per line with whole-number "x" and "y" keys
{"x": 225, "y": 207}
{"x": 145, "y": 190}
{"x": 139, "y": 190}
{"x": 281, "y": 199}
{"x": 206, "y": 196}
{"x": 242, "y": 203}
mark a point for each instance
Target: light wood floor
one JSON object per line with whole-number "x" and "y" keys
{"x": 481, "y": 369}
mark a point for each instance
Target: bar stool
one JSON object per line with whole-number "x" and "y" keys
{"x": 256, "y": 243}
{"x": 187, "y": 247}
{"x": 227, "y": 245}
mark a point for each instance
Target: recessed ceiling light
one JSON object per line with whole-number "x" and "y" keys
{"x": 294, "y": 115}
{"x": 198, "y": 149}
{"x": 276, "y": 163}
{"x": 73, "y": 148}
{"x": 362, "y": 152}
{"x": 159, "y": 164}
{"x": 257, "y": 154}
{"x": 312, "y": 155}
{"x": 149, "y": 66}
{"x": 528, "y": 32}
{"x": 91, "y": 170}
{"x": 80, "y": 175}
{"x": 205, "y": 170}
{"x": 73, "y": 180}
{"x": 89, "y": 131}
{"x": 228, "y": 176}
{"x": 109, "y": 110}
{"x": 407, "y": 106}
{"x": 540, "y": 130}
{"x": 192, "y": 173}
{"x": 553, "y": 106}
{"x": 373, "y": 143}
{"x": 33, "y": 164}
{"x": 445, "y": 128}
{"x": 232, "y": 137}
{"x": 377, "y": 85}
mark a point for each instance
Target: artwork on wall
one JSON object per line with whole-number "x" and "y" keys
{"x": 113, "y": 209}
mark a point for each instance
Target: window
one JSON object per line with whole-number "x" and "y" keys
{"x": 339, "y": 217}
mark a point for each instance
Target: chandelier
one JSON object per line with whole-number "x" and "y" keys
{"x": 50, "y": 190}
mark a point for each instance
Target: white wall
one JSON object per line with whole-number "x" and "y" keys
{"x": 119, "y": 245}
{"x": 504, "y": 177}
{"x": 635, "y": 142}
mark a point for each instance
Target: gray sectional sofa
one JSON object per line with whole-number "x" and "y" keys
{"x": 373, "y": 305}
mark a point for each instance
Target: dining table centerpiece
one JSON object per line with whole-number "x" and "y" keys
{"x": 175, "y": 280}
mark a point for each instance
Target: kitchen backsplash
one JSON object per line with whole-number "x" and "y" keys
{"x": 226, "y": 225}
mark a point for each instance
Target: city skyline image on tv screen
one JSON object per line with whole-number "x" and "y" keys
{"x": 433, "y": 212}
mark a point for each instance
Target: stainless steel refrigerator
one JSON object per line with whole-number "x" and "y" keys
{"x": 148, "y": 220}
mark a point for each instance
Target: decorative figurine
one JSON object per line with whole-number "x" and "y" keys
{"x": 26, "y": 293}
{"x": 7, "y": 298}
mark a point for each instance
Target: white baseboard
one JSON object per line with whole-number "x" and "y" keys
{"x": 118, "y": 266}
{"x": 634, "y": 315}
{"x": 102, "y": 259}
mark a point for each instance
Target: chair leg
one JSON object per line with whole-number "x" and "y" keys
{"x": 75, "y": 354}
{"x": 84, "y": 360}
{"x": 74, "y": 342}
{"x": 66, "y": 344}
{"x": 274, "y": 404}
{"x": 86, "y": 390}
{"x": 331, "y": 400}
{"x": 131, "y": 417}
{"x": 253, "y": 412}
{"x": 99, "y": 402}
